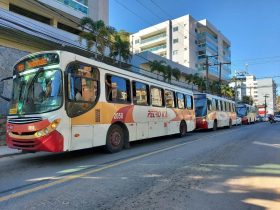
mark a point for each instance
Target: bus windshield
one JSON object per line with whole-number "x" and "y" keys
{"x": 241, "y": 111}
{"x": 37, "y": 92}
{"x": 200, "y": 105}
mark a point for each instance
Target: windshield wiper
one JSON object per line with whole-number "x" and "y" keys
{"x": 25, "y": 96}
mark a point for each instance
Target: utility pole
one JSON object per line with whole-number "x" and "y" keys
{"x": 207, "y": 70}
{"x": 265, "y": 106}
{"x": 220, "y": 74}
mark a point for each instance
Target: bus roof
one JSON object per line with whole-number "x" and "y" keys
{"x": 132, "y": 75}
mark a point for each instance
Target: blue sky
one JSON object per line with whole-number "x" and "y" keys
{"x": 252, "y": 26}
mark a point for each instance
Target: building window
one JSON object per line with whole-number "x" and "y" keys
{"x": 140, "y": 93}
{"x": 68, "y": 28}
{"x": 175, "y": 41}
{"x": 157, "y": 96}
{"x": 29, "y": 14}
{"x": 175, "y": 29}
{"x": 175, "y": 52}
{"x": 185, "y": 37}
{"x": 137, "y": 41}
{"x": 117, "y": 89}
{"x": 185, "y": 48}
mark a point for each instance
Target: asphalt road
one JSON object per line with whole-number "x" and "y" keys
{"x": 236, "y": 168}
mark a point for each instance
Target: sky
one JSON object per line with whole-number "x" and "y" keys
{"x": 252, "y": 26}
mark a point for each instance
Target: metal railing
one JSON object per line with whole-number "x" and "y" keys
{"x": 75, "y": 5}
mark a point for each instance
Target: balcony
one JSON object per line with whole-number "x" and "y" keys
{"x": 153, "y": 38}
{"x": 81, "y": 7}
{"x": 205, "y": 35}
{"x": 153, "y": 49}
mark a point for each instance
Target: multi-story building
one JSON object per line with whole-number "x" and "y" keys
{"x": 245, "y": 85}
{"x": 28, "y": 26}
{"x": 267, "y": 94}
{"x": 188, "y": 42}
{"x": 260, "y": 90}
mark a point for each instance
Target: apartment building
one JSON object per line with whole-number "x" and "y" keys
{"x": 247, "y": 85}
{"x": 267, "y": 93}
{"x": 28, "y": 26}
{"x": 188, "y": 42}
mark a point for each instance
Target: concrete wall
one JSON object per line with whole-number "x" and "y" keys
{"x": 8, "y": 57}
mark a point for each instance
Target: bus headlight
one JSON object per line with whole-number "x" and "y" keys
{"x": 48, "y": 129}
{"x": 55, "y": 123}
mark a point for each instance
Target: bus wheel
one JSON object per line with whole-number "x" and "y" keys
{"x": 115, "y": 139}
{"x": 215, "y": 126}
{"x": 183, "y": 129}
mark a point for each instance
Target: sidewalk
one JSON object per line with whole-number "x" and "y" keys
{"x": 6, "y": 151}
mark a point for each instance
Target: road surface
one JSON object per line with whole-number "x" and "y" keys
{"x": 236, "y": 168}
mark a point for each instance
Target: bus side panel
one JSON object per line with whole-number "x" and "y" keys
{"x": 82, "y": 137}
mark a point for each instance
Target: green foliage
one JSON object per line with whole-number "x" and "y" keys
{"x": 247, "y": 100}
{"x": 98, "y": 35}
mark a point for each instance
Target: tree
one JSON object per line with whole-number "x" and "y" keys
{"x": 157, "y": 66}
{"x": 176, "y": 73}
{"x": 121, "y": 46}
{"x": 96, "y": 34}
{"x": 247, "y": 100}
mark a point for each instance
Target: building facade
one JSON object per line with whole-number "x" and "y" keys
{"x": 262, "y": 91}
{"x": 267, "y": 94}
{"x": 188, "y": 42}
{"x": 28, "y": 26}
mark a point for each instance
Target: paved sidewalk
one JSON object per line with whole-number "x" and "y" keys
{"x": 6, "y": 151}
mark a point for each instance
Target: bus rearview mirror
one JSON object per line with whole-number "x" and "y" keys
{"x": 6, "y": 88}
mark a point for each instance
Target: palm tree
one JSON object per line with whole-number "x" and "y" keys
{"x": 96, "y": 34}
{"x": 176, "y": 73}
{"x": 121, "y": 46}
{"x": 189, "y": 78}
{"x": 157, "y": 66}
{"x": 227, "y": 91}
{"x": 168, "y": 73}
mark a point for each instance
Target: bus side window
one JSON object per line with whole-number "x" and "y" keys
{"x": 140, "y": 93}
{"x": 209, "y": 104}
{"x": 117, "y": 89}
{"x": 157, "y": 96}
{"x": 180, "y": 100}
{"x": 217, "y": 105}
{"x": 214, "y": 105}
{"x": 169, "y": 99}
{"x": 189, "y": 101}
{"x": 83, "y": 88}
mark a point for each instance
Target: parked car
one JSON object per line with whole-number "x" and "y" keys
{"x": 260, "y": 119}
{"x": 238, "y": 121}
{"x": 277, "y": 118}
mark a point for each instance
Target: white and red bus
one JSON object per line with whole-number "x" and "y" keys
{"x": 248, "y": 113}
{"x": 213, "y": 112}
{"x": 63, "y": 102}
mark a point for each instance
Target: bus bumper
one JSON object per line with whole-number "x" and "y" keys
{"x": 201, "y": 123}
{"x": 52, "y": 142}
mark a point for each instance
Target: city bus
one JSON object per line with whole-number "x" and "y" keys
{"x": 213, "y": 112}
{"x": 64, "y": 102}
{"x": 248, "y": 113}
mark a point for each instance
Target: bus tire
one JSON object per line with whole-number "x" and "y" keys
{"x": 183, "y": 129}
{"x": 115, "y": 139}
{"x": 215, "y": 125}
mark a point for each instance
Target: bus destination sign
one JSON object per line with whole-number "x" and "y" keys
{"x": 37, "y": 61}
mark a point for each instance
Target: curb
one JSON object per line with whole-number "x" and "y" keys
{"x": 12, "y": 154}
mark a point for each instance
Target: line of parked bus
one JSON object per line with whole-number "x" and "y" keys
{"x": 64, "y": 102}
